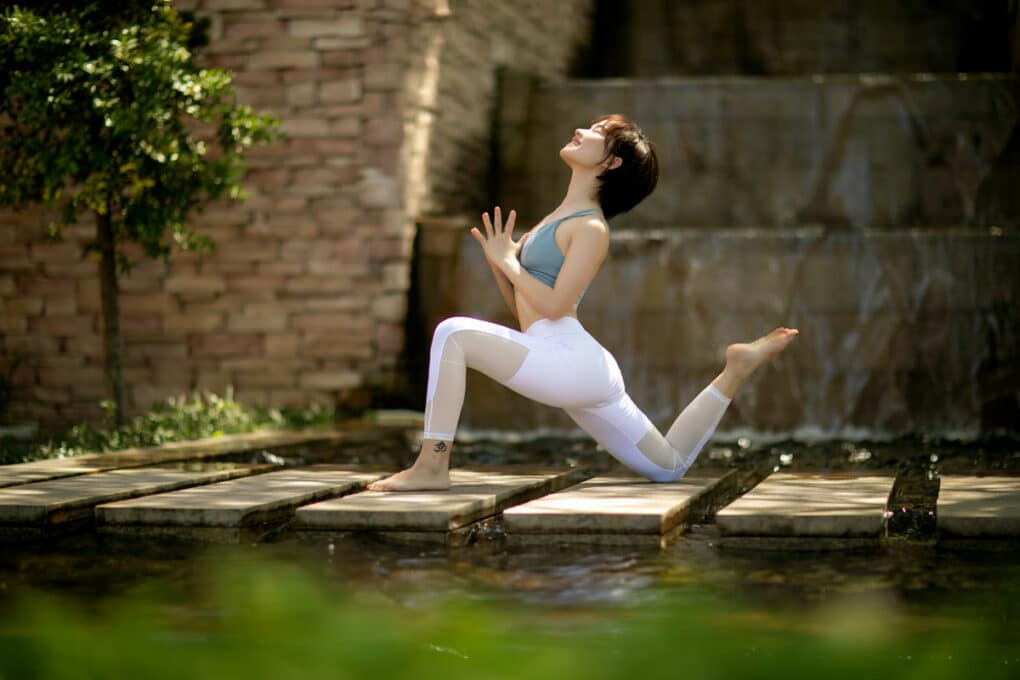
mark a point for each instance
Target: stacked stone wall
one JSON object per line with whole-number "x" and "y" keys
{"x": 655, "y": 38}
{"x": 858, "y": 151}
{"x": 305, "y": 298}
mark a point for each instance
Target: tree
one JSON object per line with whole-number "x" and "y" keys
{"x": 104, "y": 109}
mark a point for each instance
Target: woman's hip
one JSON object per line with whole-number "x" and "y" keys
{"x": 568, "y": 369}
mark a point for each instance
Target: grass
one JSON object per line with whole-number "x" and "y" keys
{"x": 183, "y": 418}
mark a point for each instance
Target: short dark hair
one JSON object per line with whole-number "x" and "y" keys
{"x": 625, "y": 186}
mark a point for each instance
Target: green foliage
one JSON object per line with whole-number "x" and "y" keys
{"x": 104, "y": 109}
{"x": 181, "y": 418}
{"x": 259, "y": 619}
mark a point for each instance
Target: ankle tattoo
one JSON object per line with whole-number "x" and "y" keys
{"x": 440, "y": 447}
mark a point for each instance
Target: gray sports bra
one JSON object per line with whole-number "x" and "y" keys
{"x": 541, "y": 257}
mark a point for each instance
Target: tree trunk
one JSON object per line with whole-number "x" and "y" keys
{"x": 111, "y": 313}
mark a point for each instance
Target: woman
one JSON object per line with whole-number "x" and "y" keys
{"x": 553, "y": 359}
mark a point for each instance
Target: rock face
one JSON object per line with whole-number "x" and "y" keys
{"x": 852, "y": 151}
{"x": 901, "y": 330}
{"x": 877, "y": 213}
{"x": 782, "y": 37}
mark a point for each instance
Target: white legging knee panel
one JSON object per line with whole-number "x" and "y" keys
{"x": 560, "y": 364}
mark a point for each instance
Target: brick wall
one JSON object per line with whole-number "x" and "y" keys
{"x": 387, "y": 107}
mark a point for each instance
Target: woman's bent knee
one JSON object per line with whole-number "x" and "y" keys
{"x": 449, "y": 326}
{"x": 453, "y": 324}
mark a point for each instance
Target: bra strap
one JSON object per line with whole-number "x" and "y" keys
{"x": 575, "y": 214}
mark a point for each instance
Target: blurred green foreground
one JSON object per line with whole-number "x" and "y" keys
{"x": 280, "y": 621}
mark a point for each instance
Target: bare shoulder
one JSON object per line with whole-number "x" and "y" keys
{"x": 591, "y": 231}
{"x": 589, "y": 226}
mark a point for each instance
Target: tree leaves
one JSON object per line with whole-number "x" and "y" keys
{"x": 107, "y": 107}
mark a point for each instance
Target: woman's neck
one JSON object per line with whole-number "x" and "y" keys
{"x": 581, "y": 191}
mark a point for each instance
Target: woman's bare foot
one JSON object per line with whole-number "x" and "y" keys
{"x": 430, "y": 472}
{"x": 743, "y": 359}
{"x": 746, "y": 358}
{"x": 413, "y": 479}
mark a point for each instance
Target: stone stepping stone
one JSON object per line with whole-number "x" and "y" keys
{"x": 617, "y": 510}
{"x": 41, "y": 470}
{"x": 201, "y": 449}
{"x": 430, "y": 515}
{"x": 64, "y": 501}
{"x": 238, "y": 502}
{"x": 978, "y": 507}
{"x": 802, "y": 510}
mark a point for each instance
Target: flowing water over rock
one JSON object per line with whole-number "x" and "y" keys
{"x": 901, "y": 330}
{"x": 875, "y": 213}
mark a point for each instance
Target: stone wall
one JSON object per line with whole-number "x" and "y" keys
{"x": 877, "y": 213}
{"x": 653, "y": 38}
{"x": 901, "y": 330}
{"x": 847, "y": 151}
{"x": 386, "y": 105}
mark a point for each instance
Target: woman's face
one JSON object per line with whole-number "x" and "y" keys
{"x": 587, "y": 147}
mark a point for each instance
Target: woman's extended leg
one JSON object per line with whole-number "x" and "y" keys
{"x": 627, "y": 433}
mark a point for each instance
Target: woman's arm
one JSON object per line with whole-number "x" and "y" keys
{"x": 505, "y": 289}
{"x": 588, "y": 247}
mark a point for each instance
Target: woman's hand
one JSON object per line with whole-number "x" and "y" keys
{"x": 497, "y": 243}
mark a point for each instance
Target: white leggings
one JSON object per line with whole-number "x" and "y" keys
{"x": 560, "y": 364}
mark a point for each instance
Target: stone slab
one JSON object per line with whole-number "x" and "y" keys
{"x": 614, "y": 505}
{"x": 200, "y": 449}
{"x": 58, "y": 501}
{"x": 809, "y": 504}
{"x": 978, "y": 507}
{"x": 473, "y": 495}
{"x": 238, "y": 502}
{"x": 41, "y": 470}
